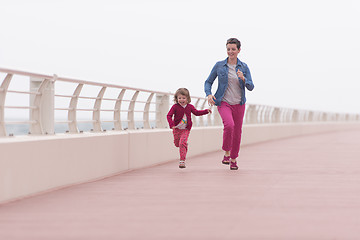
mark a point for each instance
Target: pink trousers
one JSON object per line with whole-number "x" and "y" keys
{"x": 180, "y": 140}
{"x": 232, "y": 117}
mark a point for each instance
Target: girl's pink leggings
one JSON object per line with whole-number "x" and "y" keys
{"x": 180, "y": 140}
{"x": 232, "y": 117}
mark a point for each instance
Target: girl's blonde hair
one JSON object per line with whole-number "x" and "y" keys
{"x": 182, "y": 91}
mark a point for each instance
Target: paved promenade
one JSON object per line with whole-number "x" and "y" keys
{"x": 298, "y": 188}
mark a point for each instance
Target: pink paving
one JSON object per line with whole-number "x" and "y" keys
{"x": 298, "y": 188}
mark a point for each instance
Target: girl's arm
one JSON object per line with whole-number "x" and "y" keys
{"x": 169, "y": 117}
{"x": 199, "y": 112}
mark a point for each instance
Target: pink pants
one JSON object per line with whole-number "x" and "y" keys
{"x": 180, "y": 140}
{"x": 232, "y": 117}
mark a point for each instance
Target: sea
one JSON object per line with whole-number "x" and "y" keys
{"x": 24, "y": 129}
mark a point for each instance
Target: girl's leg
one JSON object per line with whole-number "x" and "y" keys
{"x": 238, "y": 116}
{"x": 225, "y": 111}
{"x": 177, "y": 134}
{"x": 183, "y": 146}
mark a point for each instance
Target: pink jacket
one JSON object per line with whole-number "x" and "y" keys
{"x": 178, "y": 111}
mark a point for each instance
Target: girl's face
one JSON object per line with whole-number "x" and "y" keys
{"x": 182, "y": 99}
{"x": 232, "y": 50}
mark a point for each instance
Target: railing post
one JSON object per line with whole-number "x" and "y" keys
{"x": 131, "y": 118}
{"x": 117, "y": 111}
{"x": 3, "y": 90}
{"x": 295, "y": 116}
{"x": 324, "y": 117}
{"x": 96, "y": 112}
{"x": 195, "y": 120}
{"x": 73, "y": 108}
{"x": 162, "y": 108}
{"x": 42, "y": 111}
{"x": 337, "y": 117}
{"x": 310, "y": 116}
{"x": 217, "y": 121}
{"x": 267, "y": 114}
{"x": 252, "y": 114}
{"x": 146, "y": 112}
{"x": 202, "y": 124}
{"x": 275, "y": 116}
{"x": 261, "y": 113}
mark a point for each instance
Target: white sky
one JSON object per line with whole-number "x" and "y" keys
{"x": 302, "y": 54}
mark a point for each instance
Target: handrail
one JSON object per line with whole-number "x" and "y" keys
{"x": 72, "y": 80}
{"x": 152, "y": 105}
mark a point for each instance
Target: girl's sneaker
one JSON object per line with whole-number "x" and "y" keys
{"x": 226, "y": 160}
{"x": 233, "y": 165}
{"x": 182, "y": 164}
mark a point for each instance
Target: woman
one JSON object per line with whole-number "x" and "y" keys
{"x": 233, "y": 76}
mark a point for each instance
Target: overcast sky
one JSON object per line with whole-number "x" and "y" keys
{"x": 302, "y": 54}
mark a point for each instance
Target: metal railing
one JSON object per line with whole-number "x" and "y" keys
{"x": 53, "y": 101}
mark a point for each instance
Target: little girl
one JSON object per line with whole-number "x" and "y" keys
{"x": 182, "y": 123}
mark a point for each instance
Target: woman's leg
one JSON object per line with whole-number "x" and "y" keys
{"x": 237, "y": 116}
{"x": 225, "y": 111}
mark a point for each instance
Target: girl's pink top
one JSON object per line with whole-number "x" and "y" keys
{"x": 178, "y": 112}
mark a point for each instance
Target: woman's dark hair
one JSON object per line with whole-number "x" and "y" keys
{"x": 182, "y": 91}
{"x": 234, "y": 41}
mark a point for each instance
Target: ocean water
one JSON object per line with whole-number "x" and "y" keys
{"x": 24, "y": 129}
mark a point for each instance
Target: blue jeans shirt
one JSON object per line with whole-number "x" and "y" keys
{"x": 220, "y": 70}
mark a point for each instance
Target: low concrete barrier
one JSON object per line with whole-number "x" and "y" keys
{"x": 31, "y": 165}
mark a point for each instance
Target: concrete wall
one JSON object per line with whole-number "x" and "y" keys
{"x": 30, "y": 165}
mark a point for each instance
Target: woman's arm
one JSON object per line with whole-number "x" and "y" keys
{"x": 248, "y": 80}
{"x": 210, "y": 80}
{"x": 208, "y": 84}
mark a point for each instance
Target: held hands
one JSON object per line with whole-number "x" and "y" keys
{"x": 240, "y": 75}
{"x": 209, "y": 111}
{"x": 211, "y": 100}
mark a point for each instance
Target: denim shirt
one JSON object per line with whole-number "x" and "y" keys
{"x": 221, "y": 70}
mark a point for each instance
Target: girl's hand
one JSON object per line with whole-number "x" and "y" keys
{"x": 209, "y": 111}
{"x": 173, "y": 127}
{"x": 240, "y": 75}
{"x": 211, "y": 100}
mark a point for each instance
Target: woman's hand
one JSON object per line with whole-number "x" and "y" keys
{"x": 240, "y": 75}
{"x": 211, "y": 100}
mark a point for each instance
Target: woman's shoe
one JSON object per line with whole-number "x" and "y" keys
{"x": 233, "y": 166}
{"x": 226, "y": 160}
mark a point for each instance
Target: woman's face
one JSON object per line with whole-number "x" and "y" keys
{"x": 182, "y": 99}
{"x": 232, "y": 50}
